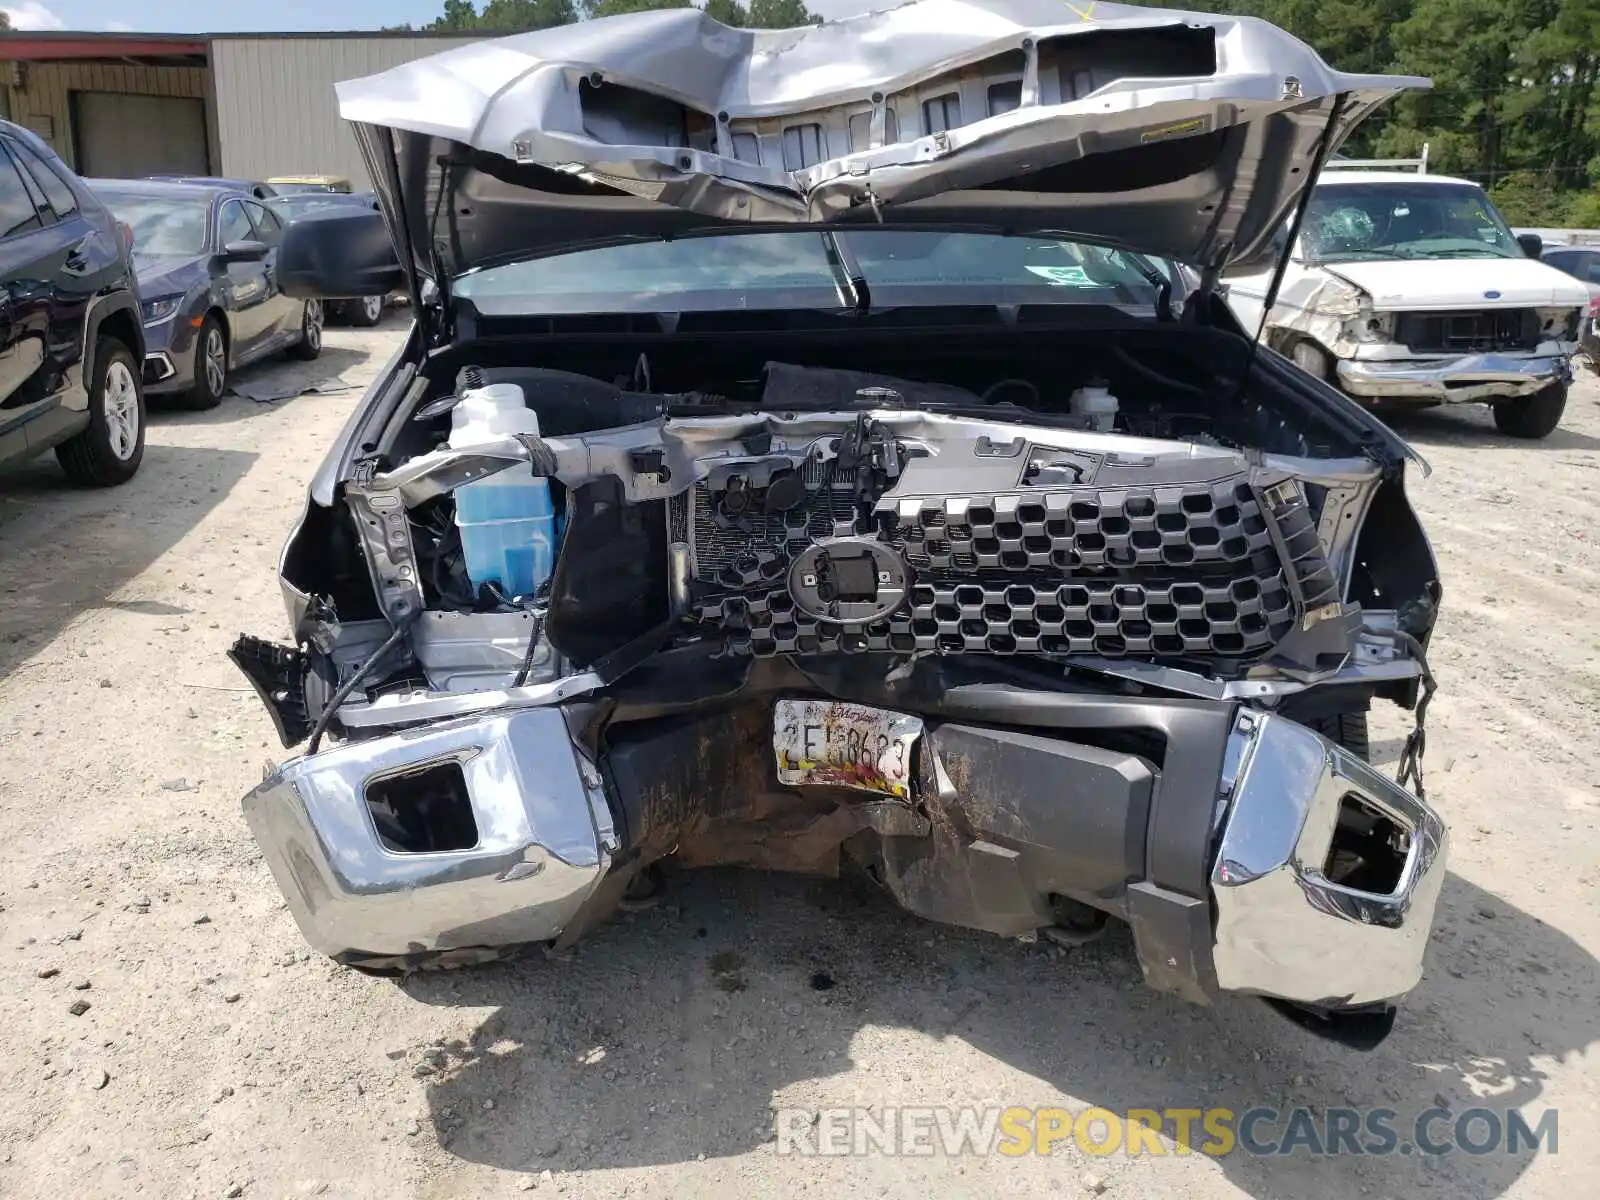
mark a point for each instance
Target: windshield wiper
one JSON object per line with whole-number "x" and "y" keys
{"x": 1463, "y": 252}
{"x": 847, "y": 272}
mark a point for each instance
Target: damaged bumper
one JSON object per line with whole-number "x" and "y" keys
{"x": 1463, "y": 379}
{"x": 459, "y": 838}
{"x": 1247, "y": 853}
{"x": 1284, "y": 927}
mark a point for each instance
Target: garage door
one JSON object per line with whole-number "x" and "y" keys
{"x": 121, "y": 136}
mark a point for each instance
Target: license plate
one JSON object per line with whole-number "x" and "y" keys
{"x": 825, "y": 742}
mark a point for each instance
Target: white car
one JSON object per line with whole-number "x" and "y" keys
{"x": 1410, "y": 288}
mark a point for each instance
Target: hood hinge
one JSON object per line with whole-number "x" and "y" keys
{"x": 363, "y": 470}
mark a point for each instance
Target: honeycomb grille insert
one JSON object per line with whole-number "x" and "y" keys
{"x": 1210, "y": 570}
{"x": 1084, "y": 531}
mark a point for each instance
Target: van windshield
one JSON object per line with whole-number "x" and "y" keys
{"x": 1347, "y": 222}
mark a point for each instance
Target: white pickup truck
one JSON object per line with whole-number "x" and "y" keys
{"x": 1409, "y": 288}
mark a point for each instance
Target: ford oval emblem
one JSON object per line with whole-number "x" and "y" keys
{"x": 1491, "y": 295}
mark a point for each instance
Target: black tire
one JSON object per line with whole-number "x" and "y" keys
{"x": 109, "y": 451}
{"x": 363, "y": 313}
{"x": 1311, "y": 358}
{"x": 1347, "y": 729}
{"x": 1534, "y": 416}
{"x": 310, "y": 343}
{"x": 210, "y": 368}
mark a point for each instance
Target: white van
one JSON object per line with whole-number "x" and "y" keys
{"x": 1408, "y": 287}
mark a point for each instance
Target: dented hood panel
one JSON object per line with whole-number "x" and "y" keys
{"x": 1185, "y": 135}
{"x": 1477, "y": 283}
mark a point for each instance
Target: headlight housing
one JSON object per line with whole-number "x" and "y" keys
{"x": 1559, "y": 324}
{"x": 1367, "y": 326}
{"x": 160, "y": 308}
{"x": 1370, "y": 326}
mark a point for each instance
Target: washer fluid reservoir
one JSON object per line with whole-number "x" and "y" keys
{"x": 507, "y": 520}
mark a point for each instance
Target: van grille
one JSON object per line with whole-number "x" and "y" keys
{"x": 1466, "y": 332}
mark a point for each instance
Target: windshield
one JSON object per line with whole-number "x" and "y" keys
{"x": 782, "y": 270}
{"x": 1347, "y": 222}
{"x": 163, "y": 226}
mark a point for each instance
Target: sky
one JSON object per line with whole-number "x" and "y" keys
{"x": 209, "y": 16}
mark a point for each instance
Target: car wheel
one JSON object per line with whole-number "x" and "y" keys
{"x": 210, "y": 367}
{"x": 1311, "y": 359}
{"x": 108, "y": 452}
{"x": 1347, "y": 729}
{"x": 1534, "y": 416}
{"x": 365, "y": 312}
{"x": 310, "y": 343}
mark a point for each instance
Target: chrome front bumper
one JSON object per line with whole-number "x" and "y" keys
{"x": 1273, "y": 923}
{"x": 544, "y": 839}
{"x": 1282, "y": 927}
{"x": 1461, "y": 380}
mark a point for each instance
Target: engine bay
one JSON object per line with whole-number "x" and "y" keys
{"x": 1120, "y": 499}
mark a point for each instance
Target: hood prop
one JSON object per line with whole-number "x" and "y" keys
{"x": 383, "y": 164}
{"x": 1318, "y": 161}
{"x": 848, "y": 275}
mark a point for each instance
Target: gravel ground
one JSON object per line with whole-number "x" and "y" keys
{"x": 168, "y": 1034}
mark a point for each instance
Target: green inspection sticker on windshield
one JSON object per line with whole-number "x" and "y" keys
{"x": 1065, "y": 276}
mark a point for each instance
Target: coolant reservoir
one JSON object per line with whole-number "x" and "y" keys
{"x": 507, "y": 521}
{"x": 1095, "y": 401}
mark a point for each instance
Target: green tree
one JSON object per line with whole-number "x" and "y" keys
{"x": 1468, "y": 48}
{"x": 459, "y": 16}
{"x": 778, "y": 14}
{"x": 729, "y": 12}
{"x": 1529, "y": 198}
{"x": 613, "y": 8}
{"x": 514, "y": 16}
{"x": 1584, "y": 211}
{"x": 503, "y": 16}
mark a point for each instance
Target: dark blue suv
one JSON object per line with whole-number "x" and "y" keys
{"x": 71, "y": 338}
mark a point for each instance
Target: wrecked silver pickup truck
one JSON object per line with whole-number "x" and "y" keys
{"x": 829, "y": 445}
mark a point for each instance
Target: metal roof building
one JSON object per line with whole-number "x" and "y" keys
{"x": 246, "y": 106}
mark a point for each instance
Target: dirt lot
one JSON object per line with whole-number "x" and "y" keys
{"x": 218, "y": 1057}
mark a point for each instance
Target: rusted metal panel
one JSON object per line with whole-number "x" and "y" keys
{"x": 32, "y": 47}
{"x": 275, "y": 106}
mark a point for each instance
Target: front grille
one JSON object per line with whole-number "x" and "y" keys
{"x": 1114, "y": 528}
{"x": 1466, "y": 332}
{"x": 1219, "y": 569}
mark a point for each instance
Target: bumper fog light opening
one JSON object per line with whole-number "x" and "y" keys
{"x": 423, "y": 811}
{"x": 1369, "y": 851}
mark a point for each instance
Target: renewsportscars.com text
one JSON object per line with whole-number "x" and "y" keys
{"x": 932, "y": 1130}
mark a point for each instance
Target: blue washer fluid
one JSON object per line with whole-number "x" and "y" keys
{"x": 507, "y": 520}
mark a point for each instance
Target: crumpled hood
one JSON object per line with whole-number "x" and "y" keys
{"x": 1398, "y": 285}
{"x": 1185, "y": 135}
